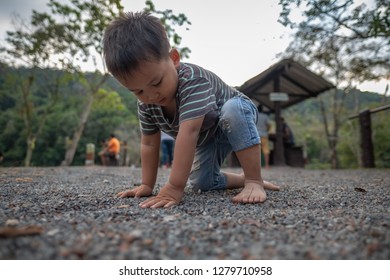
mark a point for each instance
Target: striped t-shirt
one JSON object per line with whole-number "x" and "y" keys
{"x": 200, "y": 93}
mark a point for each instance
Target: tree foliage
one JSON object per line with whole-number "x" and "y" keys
{"x": 307, "y": 124}
{"x": 341, "y": 31}
{"x": 65, "y": 38}
{"x": 170, "y": 21}
{"x": 345, "y": 42}
{"x": 112, "y": 111}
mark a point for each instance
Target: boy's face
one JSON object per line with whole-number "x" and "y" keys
{"x": 156, "y": 82}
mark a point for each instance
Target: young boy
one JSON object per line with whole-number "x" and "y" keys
{"x": 207, "y": 118}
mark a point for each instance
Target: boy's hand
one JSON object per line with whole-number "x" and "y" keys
{"x": 168, "y": 196}
{"x": 139, "y": 191}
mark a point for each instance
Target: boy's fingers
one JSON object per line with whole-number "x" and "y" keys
{"x": 163, "y": 203}
{"x": 120, "y": 194}
{"x": 159, "y": 204}
{"x": 147, "y": 203}
{"x": 138, "y": 194}
{"x": 142, "y": 192}
{"x": 156, "y": 202}
{"x": 170, "y": 204}
{"x": 125, "y": 194}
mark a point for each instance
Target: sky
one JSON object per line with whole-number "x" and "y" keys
{"x": 235, "y": 39}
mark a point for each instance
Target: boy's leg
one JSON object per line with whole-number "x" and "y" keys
{"x": 238, "y": 121}
{"x": 206, "y": 172}
{"x": 253, "y": 191}
{"x": 237, "y": 181}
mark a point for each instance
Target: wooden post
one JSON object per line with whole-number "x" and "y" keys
{"x": 366, "y": 139}
{"x": 366, "y": 144}
{"x": 90, "y": 156}
{"x": 279, "y": 158}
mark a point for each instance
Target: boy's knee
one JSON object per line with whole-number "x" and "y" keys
{"x": 229, "y": 109}
{"x": 228, "y": 115}
{"x": 238, "y": 122}
{"x": 200, "y": 184}
{"x": 208, "y": 183}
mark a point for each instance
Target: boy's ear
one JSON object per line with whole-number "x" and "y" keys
{"x": 175, "y": 57}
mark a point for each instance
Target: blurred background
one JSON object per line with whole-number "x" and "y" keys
{"x": 56, "y": 97}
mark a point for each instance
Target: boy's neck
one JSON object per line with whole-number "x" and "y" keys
{"x": 170, "y": 110}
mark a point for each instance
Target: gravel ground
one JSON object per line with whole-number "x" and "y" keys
{"x": 72, "y": 213}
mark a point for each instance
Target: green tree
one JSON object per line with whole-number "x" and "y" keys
{"x": 345, "y": 42}
{"x": 170, "y": 20}
{"x": 69, "y": 35}
{"x": 33, "y": 104}
{"x": 80, "y": 27}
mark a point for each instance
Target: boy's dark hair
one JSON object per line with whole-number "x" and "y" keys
{"x": 131, "y": 39}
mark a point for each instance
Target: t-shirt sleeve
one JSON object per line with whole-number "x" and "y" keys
{"x": 197, "y": 98}
{"x": 146, "y": 122}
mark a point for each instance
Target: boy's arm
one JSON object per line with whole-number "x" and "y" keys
{"x": 150, "y": 154}
{"x": 184, "y": 153}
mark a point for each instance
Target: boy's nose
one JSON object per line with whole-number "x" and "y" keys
{"x": 154, "y": 96}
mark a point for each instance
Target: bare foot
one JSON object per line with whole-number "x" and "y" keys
{"x": 270, "y": 186}
{"x": 253, "y": 192}
{"x": 267, "y": 185}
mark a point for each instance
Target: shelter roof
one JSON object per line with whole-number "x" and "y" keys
{"x": 294, "y": 79}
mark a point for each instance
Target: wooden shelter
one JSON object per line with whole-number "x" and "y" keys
{"x": 280, "y": 86}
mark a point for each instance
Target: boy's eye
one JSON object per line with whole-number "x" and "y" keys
{"x": 158, "y": 83}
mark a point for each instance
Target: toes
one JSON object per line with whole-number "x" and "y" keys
{"x": 250, "y": 198}
{"x": 270, "y": 186}
{"x": 236, "y": 199}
